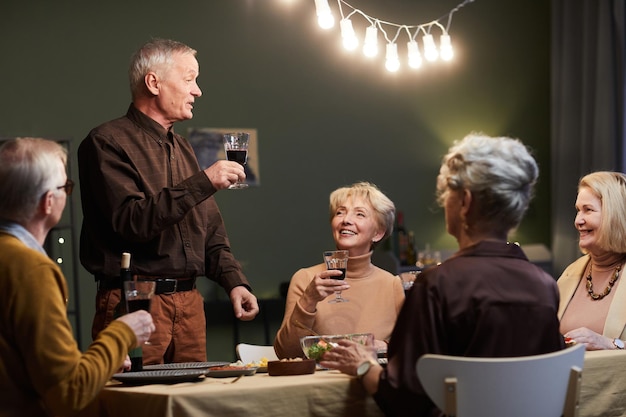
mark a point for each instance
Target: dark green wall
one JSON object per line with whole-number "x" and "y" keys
{"x": 325, "y": 118}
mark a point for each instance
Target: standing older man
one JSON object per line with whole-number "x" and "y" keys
{"x": 143, "y": 192}
{"x": 42, "y": 371}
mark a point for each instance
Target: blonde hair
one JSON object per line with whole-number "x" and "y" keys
{"x": 384, "y": 209}
{"x": 610, "y": 188}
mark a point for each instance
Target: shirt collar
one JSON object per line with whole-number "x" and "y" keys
{"x": 149, "y": 125}
{"x": 18, "y": 231}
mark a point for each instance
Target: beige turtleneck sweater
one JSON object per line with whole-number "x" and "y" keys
{"x": 375, "y": 295}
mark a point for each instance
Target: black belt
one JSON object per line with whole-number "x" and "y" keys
{"x": 163, "y": 285}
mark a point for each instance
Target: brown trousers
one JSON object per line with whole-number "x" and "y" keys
{"x": 180, "y": 334}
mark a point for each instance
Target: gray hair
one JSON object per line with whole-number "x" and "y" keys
{"x": 155, "y": 55}
{"x": 610, "y": 188}
{"x": 499, "y": 172}
{"x": 28, "y": 169}
{"x": 384, "y": 209}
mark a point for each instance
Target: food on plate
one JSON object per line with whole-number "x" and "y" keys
{"x": 261, "y": 363}
{"x": 230, "y": 367}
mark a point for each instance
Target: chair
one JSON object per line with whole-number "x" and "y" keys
{"x": 253, "y": 353}
{"x": 545, "y": 385}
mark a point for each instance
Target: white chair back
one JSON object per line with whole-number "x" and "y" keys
{"x": 545, "y": 385}
{"x": 254, "y": 353}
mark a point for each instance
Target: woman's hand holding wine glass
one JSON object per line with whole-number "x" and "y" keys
{"x": 338, "y": 260}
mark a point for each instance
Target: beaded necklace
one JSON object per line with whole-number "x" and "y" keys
{"x": 607, "y": 290}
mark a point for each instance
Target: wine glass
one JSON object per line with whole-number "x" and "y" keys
{"x": 139, "y": 295}
{"x": 236, "y": 147}
{"x": 337, "y": 259}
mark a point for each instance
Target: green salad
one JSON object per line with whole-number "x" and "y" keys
{"x": 317, "y": 350}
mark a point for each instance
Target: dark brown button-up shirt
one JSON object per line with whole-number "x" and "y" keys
{"x": 143, "y": 192}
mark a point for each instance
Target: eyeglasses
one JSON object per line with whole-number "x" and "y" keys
{"x": 68, "y": 187}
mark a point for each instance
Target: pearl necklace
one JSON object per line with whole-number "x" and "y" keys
{"x": 607, "y": 290}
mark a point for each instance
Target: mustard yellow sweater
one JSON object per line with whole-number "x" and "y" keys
{"x": 42, "y": 371}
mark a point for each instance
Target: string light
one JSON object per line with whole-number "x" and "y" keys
{"x": 370, "y": 48}
{"x": 415, "y": 58}
{"x": 393, "y": 62}
{"x": 350, "y": 41}
{"x": 430, "y": 49}
{"x": 375, "y": 25}
{"x": 324, "y": 15}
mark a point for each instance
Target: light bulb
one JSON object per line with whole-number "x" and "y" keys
{"x": 350, "y": 41}
{"x": 324, "y": 15}
{"x": 430, "y": 50}
{"x": 415, "y": 59}
{"x": 445, "y": 47}
{"x": 370, "y": 48}
{"x": 392, "y": 63}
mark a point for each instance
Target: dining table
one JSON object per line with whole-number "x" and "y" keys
{"x": 603, "y": 387}
{"x": 325, "y": 393}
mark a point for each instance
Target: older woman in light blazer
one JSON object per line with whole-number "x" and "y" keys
{"x": 592, "y": 309}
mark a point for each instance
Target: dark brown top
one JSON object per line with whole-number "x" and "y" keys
{"x": 143, "y": 192}
{"x": 487, "y": 300}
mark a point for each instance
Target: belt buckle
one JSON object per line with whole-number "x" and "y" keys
{"x": 172, "y": 282}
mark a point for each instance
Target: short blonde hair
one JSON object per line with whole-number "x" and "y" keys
{"x": 384, "y": 209}
{"x": 610, "y": 188}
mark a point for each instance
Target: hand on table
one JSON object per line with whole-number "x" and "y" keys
{"x": 591, "y": 339}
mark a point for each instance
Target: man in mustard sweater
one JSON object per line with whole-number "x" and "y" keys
{"x": 42, "y": 371}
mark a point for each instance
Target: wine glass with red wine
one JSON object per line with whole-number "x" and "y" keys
{"x": 139, "y": 295}
{"x": 236, "y": 147}
{"x": 337, "y": 259}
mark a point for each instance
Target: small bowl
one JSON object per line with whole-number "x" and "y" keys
{"x": 314, "y": 347}
{"x": 291, "y": 367}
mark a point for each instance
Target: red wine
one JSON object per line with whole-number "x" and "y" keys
{"x": 237, "y": 155}
{"x": 343, "y": 273}
{"x": 139, "y": 304}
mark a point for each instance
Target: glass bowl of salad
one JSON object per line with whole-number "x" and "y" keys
{"x": 314, "y": 347}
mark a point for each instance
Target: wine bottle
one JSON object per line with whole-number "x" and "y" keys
{"x": 411, "y": 254}
{"x": 125, "y": 275}
{"x": 402, "y": 239}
